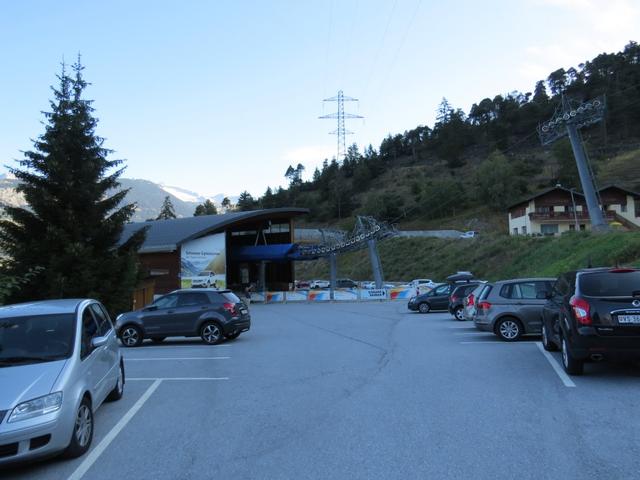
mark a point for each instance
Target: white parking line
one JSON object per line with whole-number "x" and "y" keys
{"x": 168, "y": 347}
{"x": 149, "y": 379}
{"x": 493, "y": 342}
{"x": 474, "y": 333}
{"x": 129, "y": 359}
{"x": 104, "y": 443}
{"x": 552, "y": 361}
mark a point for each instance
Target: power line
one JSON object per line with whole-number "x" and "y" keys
{"x": 341, "y": 132}
{"x": 379, "y": 49}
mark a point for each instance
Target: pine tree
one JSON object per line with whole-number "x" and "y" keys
{"x": 246, "y": 202}
{"x": 166, "y": 211}
{"x": 206, "y": 208}
{"x": 70, "y": 233}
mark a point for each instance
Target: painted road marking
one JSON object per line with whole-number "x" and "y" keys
{"x": 493, "y": 342}
{"x": 484, "y": 334}
{"x": 552, "y": 361}
{"x": 106, "y": 441}
{"x": 150, "y": 379}
{"x": 129, "y": 359}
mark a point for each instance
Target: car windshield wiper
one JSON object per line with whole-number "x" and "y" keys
{"x": 8, "y": 361}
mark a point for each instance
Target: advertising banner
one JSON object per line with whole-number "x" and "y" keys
{"x": 345, "y": 294}
{"x": 401, "y": 293}
{"x": 257, "y": 297}
{"x": 203, "y": 262}
{"x": 297, "y": 296}
{"x": 373, "y": 294}
{"x": 318, "y": 296}
{"x": 274, "y": 297}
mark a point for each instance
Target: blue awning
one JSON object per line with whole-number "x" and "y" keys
{"x": 272, "y": 253}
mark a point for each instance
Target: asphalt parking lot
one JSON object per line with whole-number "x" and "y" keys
{"x": 359, "y": 390}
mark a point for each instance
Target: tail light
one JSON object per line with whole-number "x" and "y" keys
{"x": 484, "y": 305}
{"x": 470, "y": 300}
{"x": 453, "y": 299}
{"x": 230, "y": 307}
{"x": 622, "y": 270}
{"x": 581, "y": 310}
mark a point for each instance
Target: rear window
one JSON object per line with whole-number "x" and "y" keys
{"x": 230, "y": 297}
{"x": 485, "y": 292}
{"x": 610, "y": 284}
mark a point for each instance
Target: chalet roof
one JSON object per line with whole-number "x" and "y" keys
{"x": 622, "y": 189}
{"x": 167, "y": 235}
{"x": 544, "y": 192}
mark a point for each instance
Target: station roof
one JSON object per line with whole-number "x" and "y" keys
{"x": 167, "y": 235}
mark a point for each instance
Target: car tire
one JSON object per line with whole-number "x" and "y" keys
{"x": 424, "y": 307}
{"x": 458, "y": 313}
{"x": 82, "y": 431}
{"x": 547, "y": 343}
{"x": 118, "y": 390}
{"x": 211, "y": 333}
{"x": 509, "y": 329}
{"x": 158, "y": 339}
{"x": 232, "y": 336}
{"x": 571, "y": 365}
{"x": 131, "y": 336}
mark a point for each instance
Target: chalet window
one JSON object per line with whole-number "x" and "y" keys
{"x": 546, "y": 229}
{"x": 583, "y": 227}
{"x": 524, "y": 230}
{"x": 515, "y": 230}
{"x": 572, "y": 227}
{"x": 623, "y": 208}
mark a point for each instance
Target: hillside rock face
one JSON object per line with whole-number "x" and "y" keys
{"x": 147, "y": 195}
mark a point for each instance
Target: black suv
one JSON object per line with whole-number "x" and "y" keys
{"x": 212, "y": 315}
{"x": 456, "y": 299}
{"x": 436, "y": 299}
{"x": 593, "y": 314}
{"x": 346, "y": 283}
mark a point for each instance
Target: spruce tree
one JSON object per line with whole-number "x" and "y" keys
{"x": 206, "y": 208}
{"x": 166, "y": 211}
{"x": 70, "y": 233}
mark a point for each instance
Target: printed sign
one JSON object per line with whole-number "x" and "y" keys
{"x": 374, "y": 294}
{"x": 345, "y": 294}
{"x": 401, "y": 293}
{"x": 297, "y": 296}
{"x": 274, "y": 297}
{"x": 203, "y": 262}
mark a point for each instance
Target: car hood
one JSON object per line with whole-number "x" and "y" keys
{"x": 25, "y": 382}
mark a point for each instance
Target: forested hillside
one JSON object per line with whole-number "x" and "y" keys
{"x": 469, "y": 166}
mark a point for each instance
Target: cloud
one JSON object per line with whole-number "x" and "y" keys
{"x": 592, "y": 27}
{"x": 310, "y": 154}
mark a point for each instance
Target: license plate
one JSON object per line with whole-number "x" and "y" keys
{"x": 629, "y": 319}
{"x": 244, "y": 312}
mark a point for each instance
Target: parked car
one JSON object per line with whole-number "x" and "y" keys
{"x": 593, "y": 314}
{"x": 59, "y": 361}
{"x": 457, "y": 297}
{"x": 469, "y": 234}
{"x": 436, "y": 299}
{"x": 422, "y": 285}
{"x": 346, "y": 283}
{"x": 319, "y": 284}
{"x": 212, "y": 315}
{"x": 471, "y": 300}
{"x": 204, "y": 279}
{"x": 302, "y": 284}
{"x": 512, "y": 308}
{"x": 372, "y": 285}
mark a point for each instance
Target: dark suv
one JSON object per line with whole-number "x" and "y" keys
{"x": 436, "y": 299}
{"x": 212, "y": 315}
{"x": 456, "y": 299}
{"x": 593, "y": 314}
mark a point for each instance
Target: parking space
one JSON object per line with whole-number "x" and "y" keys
{"x": 360, "y": 391}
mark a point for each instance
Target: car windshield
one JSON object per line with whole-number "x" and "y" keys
{"x": 204, "y": 273}
{"x": 36, "y": 338}
{"x": 231, "y": 297}
{"x": 610, "y": 284}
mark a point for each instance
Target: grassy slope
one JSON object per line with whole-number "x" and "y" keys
{"x": 492, "y": 257}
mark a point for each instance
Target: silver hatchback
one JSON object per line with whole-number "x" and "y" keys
{"x": 59, "y": 360}
{"x": 512, "y": 308}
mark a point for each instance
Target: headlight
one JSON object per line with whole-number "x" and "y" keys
{"x": 36, "y": 407}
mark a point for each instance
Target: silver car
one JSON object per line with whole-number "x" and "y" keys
{"x": 512, "y": 308}
{"x": 59, "y": 360}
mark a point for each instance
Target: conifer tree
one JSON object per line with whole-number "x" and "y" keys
{"x": 206, "y": 208}
{"x": 70, "y": 233}
{"x": 166, "y": 211}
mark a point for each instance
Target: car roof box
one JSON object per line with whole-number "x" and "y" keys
{"x": 461, "y": 277}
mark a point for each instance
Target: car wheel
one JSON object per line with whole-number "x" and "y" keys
{"x": 459, "y": 314}
{"x": 118, "y": 390}
{"x": 509, "y": 329}
{"x": 211, "y": 333}
{"x": 232, "y": 336}
{"x": 157, "y": 339}
{"x": 571, "y": 365}
{"x": 82, "y": 431}
{"x": 131, "y": 336}
{"x": 548, "y": 345}
{"x": 424, "y": 307}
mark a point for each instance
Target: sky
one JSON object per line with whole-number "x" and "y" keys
{"x": 221, "y": 96}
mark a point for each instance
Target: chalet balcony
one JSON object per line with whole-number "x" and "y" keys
{"x": 567, "y": 216}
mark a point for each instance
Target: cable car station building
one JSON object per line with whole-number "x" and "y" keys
{"x": 231, "y": 251}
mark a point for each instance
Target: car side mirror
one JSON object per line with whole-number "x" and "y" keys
{"x": 150, "y": 308}
{"x": 97, "y": 342}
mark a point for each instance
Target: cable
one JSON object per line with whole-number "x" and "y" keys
{"x": 326, "y": 59}
{"x": 377, "y": 54}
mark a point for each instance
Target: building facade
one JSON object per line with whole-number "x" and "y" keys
{"x": 558, "y": 210}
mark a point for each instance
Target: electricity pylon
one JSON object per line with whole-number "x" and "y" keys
{"x": 340, "y": 115}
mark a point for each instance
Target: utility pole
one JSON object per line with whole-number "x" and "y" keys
{"x": 568, "y": 120}
{"x": 340, "y": 116}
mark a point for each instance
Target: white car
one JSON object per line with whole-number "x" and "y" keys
{"x": 205, "y": 279}
{"x": 423, "y": 284}
{"x": 372, "y": 285}
{"x": 469, "y": 234}
{"x": 319, "y": 284}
